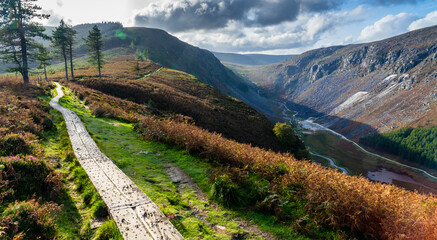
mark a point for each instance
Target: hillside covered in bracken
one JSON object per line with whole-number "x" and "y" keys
{"x": 279, "y": 184}
{"x": 38, "y": 171}
{"x": 213, "y": 119}
{"x": 166, "y": 92}
{"x": 307, "y": 199}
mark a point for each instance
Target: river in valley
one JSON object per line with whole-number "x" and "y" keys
{"x": 334, "y": 150}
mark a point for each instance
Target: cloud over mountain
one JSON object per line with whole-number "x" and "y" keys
{"x": 181, "y": 15}
{"x": 305, "y": 31}
{"x": 267, "y": 25}
{"x": 429, "y": 20}
{"x": 387, "y": 26}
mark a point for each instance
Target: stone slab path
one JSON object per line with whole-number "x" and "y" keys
{"x": 136, "y": 215}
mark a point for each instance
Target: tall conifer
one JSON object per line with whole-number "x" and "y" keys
{"x": 17, "y": 33}
{"x": 94, "y": 43}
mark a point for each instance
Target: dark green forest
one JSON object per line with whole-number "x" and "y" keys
{"x": 418, "y": 145}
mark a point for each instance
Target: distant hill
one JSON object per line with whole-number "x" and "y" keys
{"x": 361, "y": 88}
{"x": 250, "y": 59}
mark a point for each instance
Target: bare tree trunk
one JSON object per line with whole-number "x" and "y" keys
{"x": 66, "y": 65}
{"x": 99, "y": 65}
{"x": 71, "y": 61}
{"x": 24, "y": 69}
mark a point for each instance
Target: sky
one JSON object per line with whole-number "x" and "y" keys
{"x": 256, "y": 26}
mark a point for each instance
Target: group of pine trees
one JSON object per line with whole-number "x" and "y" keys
{"x": 418, "y": 145}
{"x": 19, "y": 31}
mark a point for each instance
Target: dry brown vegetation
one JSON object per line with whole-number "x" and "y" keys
{"x": 30, "y": 189}
{"x": 378, "y": 210}
{"x": 167, "y": 92}
{"x": 23, "y": 118}
{"x": 337, "y": 200}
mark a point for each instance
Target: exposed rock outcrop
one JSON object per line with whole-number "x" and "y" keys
{"x": 398, "y": 75}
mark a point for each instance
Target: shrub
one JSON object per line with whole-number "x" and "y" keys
{"x": 30, "y": 220}
{"x": 285, "y": 134}
{"x": 290, "y": 141}
{"x": 80, "y": 178}
{"x": 14, "y": 144}
{"x": 54, "y": 182}
{"x": 69, "y": 157}
{"x": 86, "y": 232}
{"x": 48, "y": 124}
{"x": 26, "y": 176}
{"x": 108, "y": 231}
{"x": 89, "y": 195}
{"x": 107, "y": 111}
{"x": 375, "y": 209}
{"x": 225, "y": 191}
{"x": 99, "y": 209}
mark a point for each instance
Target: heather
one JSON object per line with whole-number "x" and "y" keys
{"x": 44, "y": 193}
{"x": 165, "y": 92}
{"x": 279, "y": 184}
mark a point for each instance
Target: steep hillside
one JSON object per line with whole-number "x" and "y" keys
{"x": 169, "y": 51}
{"x": 304, "y": 198}
{"x": 165, "y": 92}
{"x": 360, "y": 88}
{"x": 250, "y": 59}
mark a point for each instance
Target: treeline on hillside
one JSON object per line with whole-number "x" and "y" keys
{"x": 418, "y": 145}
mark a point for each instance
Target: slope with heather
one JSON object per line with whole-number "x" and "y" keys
{"x": 165, "y": 92}
{"x": 44, "y": 193}
{"x": 311, "y": 200}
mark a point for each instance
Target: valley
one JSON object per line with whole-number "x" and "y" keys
{"x": 327, "y": 125}
{"x": 156, "y": 138}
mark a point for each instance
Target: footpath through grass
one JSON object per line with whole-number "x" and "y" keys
{"x": 147, "y": 163}
{"x": 81, "y": 202}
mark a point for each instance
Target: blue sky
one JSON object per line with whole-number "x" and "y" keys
{"x": 256, "y": 26}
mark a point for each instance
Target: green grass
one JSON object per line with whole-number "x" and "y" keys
{"x": 69, "y": 221}
{"x": 147, "y": 162}
{"x": 75, "y": 215}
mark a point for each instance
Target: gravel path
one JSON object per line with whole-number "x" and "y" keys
{"x": 136, "y": 215}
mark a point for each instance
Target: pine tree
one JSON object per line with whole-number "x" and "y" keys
{"x": 94, "y": 44}
{"x": 43, "y": 58}
{"x": 60, "y": 42}
{"x": 70, "y": 42}
{"x": 17, "y": 33}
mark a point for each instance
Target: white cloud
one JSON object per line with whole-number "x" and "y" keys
{"x": 60, "y": 3}
{"x": 429, "y": 20}
{"x": 387, "y": 26}
{"x": 301, "y": 34}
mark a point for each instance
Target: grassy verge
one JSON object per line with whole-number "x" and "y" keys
{"x": 81, "y": 202}
{"x": 147, "y": 164}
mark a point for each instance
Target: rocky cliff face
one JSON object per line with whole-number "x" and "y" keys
{"x": 361, "y": 88}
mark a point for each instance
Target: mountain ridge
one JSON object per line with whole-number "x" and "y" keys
{"x": 393, "y": 79}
